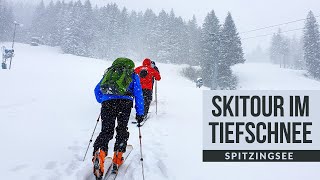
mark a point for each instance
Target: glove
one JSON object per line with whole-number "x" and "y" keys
{"x": 153, "y": 64}
{"x": 156, "y": 68}
{"x": 139, "y": 118}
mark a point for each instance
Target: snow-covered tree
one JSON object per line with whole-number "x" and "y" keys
{"x": 6, "y": 21}
{"x": 312, "y": 46}
{"x": 179, "y": 41}
{"x": 61, "y": 26}
{"x": 279, "y": 50}
{"x": 123, "y": 33}
{"x": 276, "y": 41}
{"x": 194, "y": 37}
{"x": 211, "y": 50}
{"x": 109, "y": 32}
{"x": 296, "y": 60}
{"x": 70, "y": 40}
{"x": 163, "y": 34}
{"x": 231, "y": 53}
{"x": 86, "y": 28}
{"x": 39, "y": 21}
{"x": 23, "y": 13}
{"x": 136, "y": 30}
{"x": 50, "y": 35}
{"x": 149, "y": 34}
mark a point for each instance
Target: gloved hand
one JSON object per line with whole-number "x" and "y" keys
{"x": 139, "y": 118}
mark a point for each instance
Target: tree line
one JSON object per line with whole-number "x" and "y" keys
{"x": 299, "y": 53}
{"x": 6, "y": 21}
{"x": 287, "y": 51}
{"x": 108, "y": 32}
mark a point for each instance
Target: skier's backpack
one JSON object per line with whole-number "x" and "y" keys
{"x": 143, "y": 73}
{"x": 117, "y": 78}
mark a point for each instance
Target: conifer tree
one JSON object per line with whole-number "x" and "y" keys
{"x": 312, "y": 46}
{"x": 39, "y": 21}
{"x": 194, "y": 37}
{"x": 211, "y": 52}
{"x": 231, "y": 53}
{"x": 86, "y": 28}
{"x": 296, "y": 53}
{"x": 6, "y": 21}
{"x": 231, "y": 44}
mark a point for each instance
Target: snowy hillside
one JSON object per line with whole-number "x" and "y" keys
{"x": 264, "y": 76}
{"x": 48, "y": 112}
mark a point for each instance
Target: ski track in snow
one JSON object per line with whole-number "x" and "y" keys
{"x": 48, "y": 111}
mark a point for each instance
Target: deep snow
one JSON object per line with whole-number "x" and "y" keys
{"x": 265, "y": 76}
{"x": 48, "y": 112}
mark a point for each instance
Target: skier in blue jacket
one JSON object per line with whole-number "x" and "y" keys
{"x": 116, "y": 107}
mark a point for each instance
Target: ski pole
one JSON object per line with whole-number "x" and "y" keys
{"x": 156, "y": 94}
{"x": 91, "y": 137}
{"x": 14, "y": 33}
{"x": 140, "y": 137}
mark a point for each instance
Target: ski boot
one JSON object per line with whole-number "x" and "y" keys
{"x": 98, "y": 163}
{"x": 117, "y": 162}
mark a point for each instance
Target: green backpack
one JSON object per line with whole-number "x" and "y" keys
{"x": 117, "y": 78}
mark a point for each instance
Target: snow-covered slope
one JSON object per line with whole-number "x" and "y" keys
{"x": 48, "y": 112}
{"x": 264, "y": 76}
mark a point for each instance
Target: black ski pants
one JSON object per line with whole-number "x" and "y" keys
{"x": 112, "y": 110}
{"x": 147, "y": 97}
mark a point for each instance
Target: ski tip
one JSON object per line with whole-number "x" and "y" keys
{"x": 108, "y": 158}
{"x": 129, "y": 148}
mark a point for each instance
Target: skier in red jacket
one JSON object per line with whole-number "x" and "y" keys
{"x": 147, "y": 74}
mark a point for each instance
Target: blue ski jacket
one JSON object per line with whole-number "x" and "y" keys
{"x": 134, "y": 88}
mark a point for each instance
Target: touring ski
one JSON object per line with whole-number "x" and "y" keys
{"x": 113, "y": 173}
{"x": 107, "y": 165}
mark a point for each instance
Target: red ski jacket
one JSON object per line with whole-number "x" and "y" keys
{"x": 147, "y": 73}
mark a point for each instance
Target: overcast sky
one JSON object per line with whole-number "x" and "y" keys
{"x": 248, "y": 14}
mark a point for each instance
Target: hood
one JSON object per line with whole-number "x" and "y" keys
{"x": 146, "y": 62}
